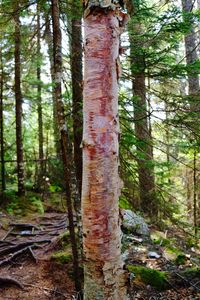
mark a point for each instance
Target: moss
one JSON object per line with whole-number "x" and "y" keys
{"x": 155, "y": 278}
{"x": 62, "y": 257}
{"x": 180, "y": 259}
{"x": 190, "y": 242}
{"x": 163, "y": 242}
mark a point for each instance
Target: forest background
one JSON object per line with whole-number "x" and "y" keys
{"x": 159, "y": 109}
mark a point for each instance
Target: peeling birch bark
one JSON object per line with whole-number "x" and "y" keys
{"x": 104, "y": 274}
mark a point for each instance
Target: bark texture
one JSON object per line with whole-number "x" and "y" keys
{"x": 104, "y": 274}
{"x": 64, "y": 138}
{"x": 49, "y": 41}
{"x": 191, "y": 57}
{"x": 77, "y": 96}
{"x": 144, "y": 141}
{"x": 193, "y": 92}
{"x": 18, "y": 99}
{"x": 3, "y": 182}
{"x": 39, "y": 102}
{"x": 142, "y": 130}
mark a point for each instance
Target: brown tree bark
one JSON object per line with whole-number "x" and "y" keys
{"x": 103, "y": 269}
{"x": 77, "y": 95}
{"x": 18, "y": 99}
{"x": 142, "y": 131}
{"x": 39, "y": 100}
{"x": 49, "y": 41}
{"x": 3, "y": 181}
{"x": 63, "y": 131}
{"x": 191, "y": 57}
{"x": 193, "y": 92}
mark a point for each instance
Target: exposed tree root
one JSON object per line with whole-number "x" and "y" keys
{"x": 6, "y": 281}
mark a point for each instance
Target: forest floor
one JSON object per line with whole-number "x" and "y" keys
{"x": 168, "y": 253}
{"x": 27, "y": 268}
{"x": 33, "y": 266}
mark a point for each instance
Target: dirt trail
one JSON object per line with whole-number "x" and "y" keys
{"x": 26, "y": 271}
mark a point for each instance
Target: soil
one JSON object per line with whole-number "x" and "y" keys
{"x": 42, "y": 279}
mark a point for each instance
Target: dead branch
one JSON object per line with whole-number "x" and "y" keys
{"x": 187, "y": 281}
{"x": 14, "y": 255}
{"x": 15, "y": 248}
{"x": 32, "y": 254}
{"x": 48, "y": 290}
{"x": 7, "y": 234}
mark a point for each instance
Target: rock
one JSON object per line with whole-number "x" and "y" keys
{"x": 152, "y": 254}
{"x": 135, "y": 239}
{"x": 134, "y": 223}
{"x": 125, "y": 255}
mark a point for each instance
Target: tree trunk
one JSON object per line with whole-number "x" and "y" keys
{"x": 195, "y": 210}
{"x": 142, "y": 132}
{"x": 39, "y": 100}
{"x": 18, "y": 99}
{"x": 77, "y": 96}
{"x": 193, "y": 92}
{"x": 103, "y": 268}
{"x": 3, "y": 181}
{"x": 191, "y": 57}
{"x": 49, "y": 41}
{"x": 65, "y": 145}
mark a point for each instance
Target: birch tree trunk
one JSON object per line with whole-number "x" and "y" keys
{"x": 18, "y": 99}
{"x": 103, "y": 269}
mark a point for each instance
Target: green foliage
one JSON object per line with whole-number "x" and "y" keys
{"x": 124, "y": 203}
{"x": 62, "y": 257}
{"x": 190, "y": 242}
{"x": 180, "y": 259}
{"x": 54, "y": 188}
{"x": 155, "y": 278}
{"x": 22, "y": 205}
{"x": 37, "y": 204}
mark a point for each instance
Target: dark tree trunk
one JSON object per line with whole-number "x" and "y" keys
{"x": 3, "y": 181}
{"x": 142, "y": 130}
{"x": 77, "y": 96}
{"x": 49, "y": 40}
{"x": 39, "y": 101}
{"x": 65, "y": 144}
{"x": 145, "y": 163}
{"x": 18, "y": 99}
{"x": 193, "y": 92}
{"x": 191, "y": 57}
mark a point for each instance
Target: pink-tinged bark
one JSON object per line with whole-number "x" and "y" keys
{"x": 104, "y": 274}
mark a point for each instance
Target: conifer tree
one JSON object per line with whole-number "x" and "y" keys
{"x": 18, "y": 98}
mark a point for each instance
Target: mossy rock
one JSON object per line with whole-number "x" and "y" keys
{"x": 62, "y": 257}
{"x": 155, "y": 278}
